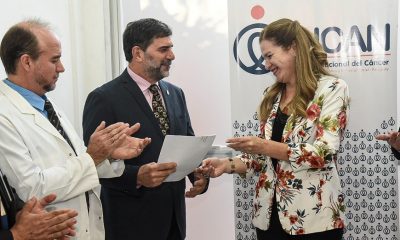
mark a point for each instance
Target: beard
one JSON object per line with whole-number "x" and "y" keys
{"x": 49, "y": 87}
{"x": 155, "y": 70}
{"x": 44, "y": 84}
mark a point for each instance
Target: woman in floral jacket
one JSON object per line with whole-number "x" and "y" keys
{"x": 303, "y": 115}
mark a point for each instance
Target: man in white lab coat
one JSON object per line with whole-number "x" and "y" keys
{"x": 38, "y": 156}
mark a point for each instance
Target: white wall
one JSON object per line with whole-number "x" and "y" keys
{"x": 57, "y": 13}
{"x": 80, "y": 26}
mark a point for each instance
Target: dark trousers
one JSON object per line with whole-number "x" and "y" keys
{"x": 276, "y": 232}
{"x": 174, "y": 233}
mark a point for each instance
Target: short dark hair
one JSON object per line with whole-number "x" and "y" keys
{"x": 141, "y": 33}
{"x": 19, "y": 40}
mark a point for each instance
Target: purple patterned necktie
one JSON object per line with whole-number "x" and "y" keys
{"x": 158, "y": 108}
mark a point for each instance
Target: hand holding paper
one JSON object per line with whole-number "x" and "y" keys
{"x": 186, "y": 151}
{"x": 153, "y": 174}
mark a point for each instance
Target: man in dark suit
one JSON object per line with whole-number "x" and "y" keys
{"x": 393, "y": 138}
{"x": 138, "y": 205}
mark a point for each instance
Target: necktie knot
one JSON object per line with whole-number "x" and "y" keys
{"x": 153, "y": 89}
{"x": 48, "y": 106}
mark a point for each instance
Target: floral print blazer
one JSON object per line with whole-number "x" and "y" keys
{"x": 307, "y": 187}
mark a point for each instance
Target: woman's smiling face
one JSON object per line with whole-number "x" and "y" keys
{"x": 281, "y": 62}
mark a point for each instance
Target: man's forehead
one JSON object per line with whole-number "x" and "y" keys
{"x": 162, "y": 41}
{"x": 47, "y": 39}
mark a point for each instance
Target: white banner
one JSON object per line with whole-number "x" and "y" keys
{"x": 360, "y": 38}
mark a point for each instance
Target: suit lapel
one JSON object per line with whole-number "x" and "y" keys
{"x": 169, "y": 104}
{"x": 130, "y": 85}
{"x": 25, "y": 108}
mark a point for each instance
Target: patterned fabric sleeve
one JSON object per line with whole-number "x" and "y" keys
{"x": 255, "y": 163}
{"x": 316, "y": 141}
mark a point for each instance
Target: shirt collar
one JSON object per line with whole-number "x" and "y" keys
{"x": 35, "y": 100}
{"x": 141, "y": 82}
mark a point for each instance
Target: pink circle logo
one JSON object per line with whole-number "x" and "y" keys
{"x": 257, "y": 12}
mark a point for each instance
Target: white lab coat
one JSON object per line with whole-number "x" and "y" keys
{"x": 38, "y": 161}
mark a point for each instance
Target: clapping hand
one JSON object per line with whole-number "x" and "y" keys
{"x": 34, "y": 222}
{"x": 115, "y": 141}
{"x": 127, "y": 147}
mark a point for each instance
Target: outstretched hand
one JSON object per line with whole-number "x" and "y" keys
{"x": 393, "y": 139}
{"x": 249, "y": 144}
{"x": 213, "y": 167}
{"x": 199, "y": 184}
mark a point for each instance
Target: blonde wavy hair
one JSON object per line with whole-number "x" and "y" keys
{"x": 310, "y": 65}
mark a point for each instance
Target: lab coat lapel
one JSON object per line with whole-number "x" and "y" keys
{"x": 25, "y": 108}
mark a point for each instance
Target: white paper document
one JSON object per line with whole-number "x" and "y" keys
{"x": 186, "y": 151}
{"x": 221, "y": 151}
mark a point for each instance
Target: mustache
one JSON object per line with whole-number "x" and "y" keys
{"x": 166, "y": 62}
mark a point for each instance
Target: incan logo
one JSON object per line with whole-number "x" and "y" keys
{"x": 248, "y": 61}
{"x": 375, "y": 39}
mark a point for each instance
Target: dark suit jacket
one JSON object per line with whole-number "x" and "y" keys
{"x": 6, "y": 235}
{"x": 131, "y": 212}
